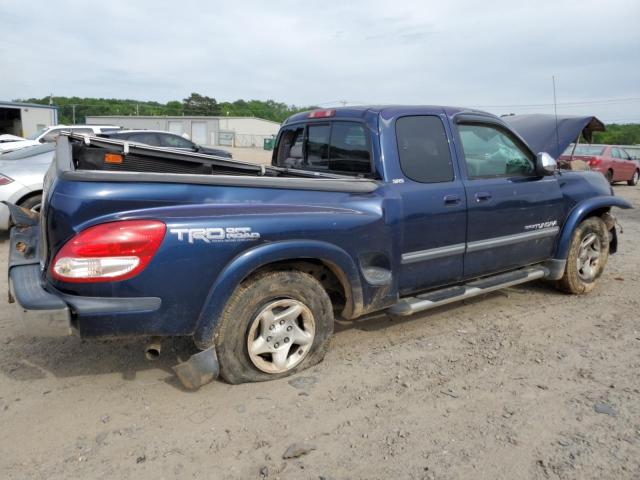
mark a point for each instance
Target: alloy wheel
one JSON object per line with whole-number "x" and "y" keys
{"x": 280, "y": 336}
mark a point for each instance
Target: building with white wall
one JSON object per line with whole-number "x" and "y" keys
{"x": 224, "y": 131}
{"x": 24, "y": 119}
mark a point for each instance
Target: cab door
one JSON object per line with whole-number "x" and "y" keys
{"x": 513, "y": 214}
{"x": 433, "y": 229}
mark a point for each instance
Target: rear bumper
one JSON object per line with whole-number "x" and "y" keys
{"x": 46, "y": 311}
{"x": 42, "y": 313}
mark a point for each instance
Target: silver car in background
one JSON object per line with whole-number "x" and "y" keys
{"x": 21, "y": 177}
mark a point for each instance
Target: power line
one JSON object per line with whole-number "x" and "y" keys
{"x": 607, "y": 101}
{"x": 612, "y": 101}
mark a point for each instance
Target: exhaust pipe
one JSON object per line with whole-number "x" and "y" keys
{"x": 153, "y": 349}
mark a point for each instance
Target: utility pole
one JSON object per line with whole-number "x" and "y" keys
{"x": 555, "y": 112}
{"x": 137, "y": 110}
{"x": 51, "y": 99}
{"x": 73, "y": 109}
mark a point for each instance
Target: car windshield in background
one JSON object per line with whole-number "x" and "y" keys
{"x": 33, "y": 136}
{"x": 584, "y": 150}
{"x": 29, "y": 151}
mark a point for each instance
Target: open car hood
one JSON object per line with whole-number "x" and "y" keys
{"x": 540, "y": 133}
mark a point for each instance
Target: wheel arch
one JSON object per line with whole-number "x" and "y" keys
{"x": 284, "y": 255}
{"x": 590, "y": 207}
{"x": 27, "y": 196}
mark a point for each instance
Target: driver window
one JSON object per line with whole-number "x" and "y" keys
{"x": 489, "y": 152}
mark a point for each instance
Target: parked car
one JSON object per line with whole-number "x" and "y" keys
{"x": 51, "y": 133}
{"x": 160, "y": 138}
{"x": 7, "y": 137}
{"x": 370, "y": 209}
{"x": 612, "y": 161}
{"x": 21, "y": 176}
{"x": 10, "y": 143}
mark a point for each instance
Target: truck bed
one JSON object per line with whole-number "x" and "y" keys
{"x": 82, "y": 158}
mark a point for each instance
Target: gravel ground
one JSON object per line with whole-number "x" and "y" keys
{"x": 523, "y": 383}
{"x": 254, "y": 155}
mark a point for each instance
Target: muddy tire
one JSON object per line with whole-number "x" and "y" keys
{"x": 275, "y": 324}
{"x": 633, "y": 181}
{"x": 587, "y": 258}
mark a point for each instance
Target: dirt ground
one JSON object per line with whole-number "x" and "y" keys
{"x": 254, "y": 155}
{"x": 523, "y": 383}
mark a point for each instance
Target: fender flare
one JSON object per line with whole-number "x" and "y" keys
{"x": 579, "y": 213}
{"x": 250, "y": 260}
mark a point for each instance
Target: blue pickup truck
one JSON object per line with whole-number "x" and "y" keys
{"x": 396, "y": 209}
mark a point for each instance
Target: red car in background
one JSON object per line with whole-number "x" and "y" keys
{"x": 612, "y": 161}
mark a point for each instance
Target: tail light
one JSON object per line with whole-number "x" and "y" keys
{"x": 594, "y": 162}
{"x": 4, "y": 180}
{"x": 109, "y": 251}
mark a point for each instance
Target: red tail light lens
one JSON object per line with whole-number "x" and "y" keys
{"x": 4, "y": 180}
{"x": 593, "y": 162}
{"x": 108, "y": 252}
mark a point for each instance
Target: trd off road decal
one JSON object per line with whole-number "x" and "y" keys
{"x": 214, "y": 235}
{"x": 539, "y": 226}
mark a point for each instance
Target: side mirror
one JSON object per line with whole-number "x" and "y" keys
{"x": 545, "y": 164}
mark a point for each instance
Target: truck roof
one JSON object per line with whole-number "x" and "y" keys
{"x": 390, "y": 110}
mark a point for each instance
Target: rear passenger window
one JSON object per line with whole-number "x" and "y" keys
{"x": 336, "y": 147}
{"x": 349, "y": 151}
{"x": 146, "y": 138}
{"x": 424, "y": 149}
{"x": 318, "y": 146}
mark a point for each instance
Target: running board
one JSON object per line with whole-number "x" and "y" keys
{"x": 425, "y": 301}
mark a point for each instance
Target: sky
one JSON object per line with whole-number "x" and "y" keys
{"x": 499, "y": 56}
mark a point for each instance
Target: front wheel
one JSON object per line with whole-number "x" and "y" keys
{"x": 634, "y": 180}
{"x": 588, "y": 254}
{"x": 274, "y": 324}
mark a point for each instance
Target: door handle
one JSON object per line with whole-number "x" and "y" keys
{"x": 450, "y": 200}
{"x": 482, "y": 196}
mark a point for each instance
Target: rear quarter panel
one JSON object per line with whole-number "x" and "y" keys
{"x": 184, "y": 269}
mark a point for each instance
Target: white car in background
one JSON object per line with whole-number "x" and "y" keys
{"x": 51, "y": 133}
{"x": 9, "y": 143}
{"x": 21, "y": 177}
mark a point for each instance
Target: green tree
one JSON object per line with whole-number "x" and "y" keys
{"x": 197, "y": 104}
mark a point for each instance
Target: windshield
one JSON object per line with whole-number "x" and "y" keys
{"x": 584, "y": 150}
{"x": 28, "y": 151}
{"x": 33, "y": 136}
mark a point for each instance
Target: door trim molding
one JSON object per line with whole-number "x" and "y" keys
{"x": 478, "y": 245}
{"x": 511, "y": 239}
{"x": 432, "y": 253}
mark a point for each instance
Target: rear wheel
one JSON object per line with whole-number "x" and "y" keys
{"x": 634, "y": 180}
{"x": 609, "y": 176}
{"x": 587, "y": 258}
{"x": 274, "y": 325}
